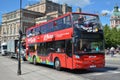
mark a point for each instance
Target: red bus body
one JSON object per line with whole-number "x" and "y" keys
{"x": 38, "y": 46}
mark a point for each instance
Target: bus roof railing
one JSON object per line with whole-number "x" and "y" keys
{"x": 69, "y": 13}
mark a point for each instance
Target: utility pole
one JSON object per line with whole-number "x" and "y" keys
{"x": 20, "y": 37}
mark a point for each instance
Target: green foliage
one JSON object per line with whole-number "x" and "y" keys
{"x": 112, "y": 36}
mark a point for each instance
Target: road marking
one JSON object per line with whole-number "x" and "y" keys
{"x": 97, "y": 73}
{"x": 112, "y": 58}
{"x": 107, "y": 72}
{"x": 113, "y": 72}
{"x": 110, "y": 64}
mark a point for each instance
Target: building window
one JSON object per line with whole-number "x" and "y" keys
{"x": 10, "y": 16}
{"x": 37, "y": 8}
{"x": 18, "y": 14}
{"x": 7, "y": 30}
{"x": 3, "y": 31}
{"x": 15, "y": 15}
{"x": 49, "y": 7}
{"x": 10, "y": 29}
{"x": 14, "y": 28}
{"x": 42, "y": 7}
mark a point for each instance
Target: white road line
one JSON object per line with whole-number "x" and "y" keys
{"x": 110, "y": 64}
{"x": 97, "y": 74}
{"x": 107, "y": 72}
{"x": 114, "y": 72}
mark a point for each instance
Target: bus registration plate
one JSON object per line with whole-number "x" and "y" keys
{"x": 92, "y": 66}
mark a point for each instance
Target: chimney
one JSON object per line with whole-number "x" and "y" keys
{"x": 79, "y": 10}
{"x": 64, "y": 8}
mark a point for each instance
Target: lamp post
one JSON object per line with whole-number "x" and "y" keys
{"x": 20, "y": 37}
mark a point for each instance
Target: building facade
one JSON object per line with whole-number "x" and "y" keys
{"x": 50, "y": 9}
{"x": 115, "y": 18}
{"x": 11, "y": 23}
{"x": 0, "y": 34}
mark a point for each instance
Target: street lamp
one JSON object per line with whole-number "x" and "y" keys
{"x": 20, "y": 37}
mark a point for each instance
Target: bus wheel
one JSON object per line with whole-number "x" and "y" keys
{"x": 57, "y": 64}
{"x": 34, "y": 60}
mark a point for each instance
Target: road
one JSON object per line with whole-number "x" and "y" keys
{"x": 8, "y": 71}
{"x": 110, "y": 72}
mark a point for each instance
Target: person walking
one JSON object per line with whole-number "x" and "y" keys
{"x": 112, "y": 49}
{"x": 107, "y": 51}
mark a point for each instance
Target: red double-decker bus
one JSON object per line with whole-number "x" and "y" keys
{"x": 73, "y": 40}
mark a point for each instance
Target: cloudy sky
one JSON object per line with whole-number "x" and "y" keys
{"x": 89, "y": 6}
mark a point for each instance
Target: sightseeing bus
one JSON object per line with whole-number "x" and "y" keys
{"x": 73, "y": 41}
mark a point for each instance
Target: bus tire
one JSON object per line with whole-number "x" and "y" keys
{"x": 34, "y": 60}
{"x": 57, "y": 64}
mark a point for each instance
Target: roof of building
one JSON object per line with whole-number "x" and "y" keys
{"x": 116, "y": 11}
{"x": 25, "y": 11}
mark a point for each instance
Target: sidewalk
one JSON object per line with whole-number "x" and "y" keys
{"x": 115, "y": 57}
{"x": 8, "y": 71}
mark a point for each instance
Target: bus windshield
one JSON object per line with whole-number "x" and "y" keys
{"x": 5, "y": 47}
{"x": 89, "y": 46}
{"x": 87, "y": 23}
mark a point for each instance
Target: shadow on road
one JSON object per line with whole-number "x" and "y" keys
{"x": 105, "y": 69}
{"x": 80, "y": 71}
{"x": 93, "y": 70}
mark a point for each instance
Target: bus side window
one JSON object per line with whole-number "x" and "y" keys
{"x": 39, "y": 48}
{"x": 66, "y": 22}
{"x": 32, "y": 33}
{"x": 55, "y": 26}
{"x": 28, "y": 32}
{"x": 49, "y": 47}
{"x": 68, "y": 45}
{"x": 60, "y": 46}
{"x": 43, "y": 29}
{"x": 43, "y": 49}
{"x": 38, "y": 31}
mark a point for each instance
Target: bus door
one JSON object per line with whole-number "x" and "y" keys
{"x": 69, "y": 60}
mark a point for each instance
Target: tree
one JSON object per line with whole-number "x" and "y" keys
{"x": 107, "y": 35}
{"x": 112, "y": 36}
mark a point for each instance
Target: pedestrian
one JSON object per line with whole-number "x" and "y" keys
{"x": 117, "y": 50}
{"x": 107, "y": 51}
{"x": 112, "y": 49}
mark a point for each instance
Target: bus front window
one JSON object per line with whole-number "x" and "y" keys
{"x": 89, "y": 46}
{"x": 87, "y": 23}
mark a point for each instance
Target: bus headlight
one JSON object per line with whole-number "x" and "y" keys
{"x": 96, "y": 29}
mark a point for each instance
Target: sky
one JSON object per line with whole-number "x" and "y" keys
{"x": 89, "y": 6}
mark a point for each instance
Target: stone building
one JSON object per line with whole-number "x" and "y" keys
{"x": 0, "y": 34}
{"x": 11, "y": 23}
{"x": 115, "y": 18}
{"x": 50, "y": 9}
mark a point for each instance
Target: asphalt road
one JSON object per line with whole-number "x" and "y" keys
{"x": 110, "y": 72}
{"x": 8, "y": 71}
